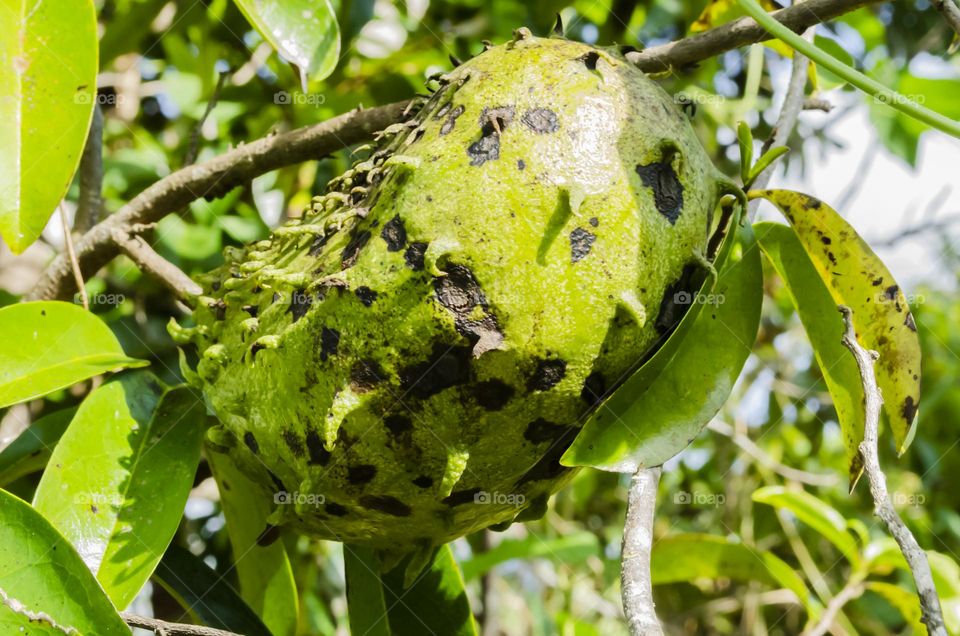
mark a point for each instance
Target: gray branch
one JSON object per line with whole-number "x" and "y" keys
{"x": 147, "y": 259}
{"x": 163, "y": 628}
{"x": 636, "y": 586}
{"x": 882, "y": 506}
{"x": 90, "y": 201}
{"x": 950, "y": 12}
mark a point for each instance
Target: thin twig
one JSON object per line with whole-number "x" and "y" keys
{"x": 194, "y": 149}
{"x": 72, "y": 256}
{"x": 152, "y": 263}
{"x": 950, "y": 12}
{"x": 636, "y": 586}
{"x": 882, "y": 506}
{"x": 211, "y": 179}
{"x": 852, "y": 590}
{"x": 733, "y": 35}
{"x": 163, "y": 628}
{"x": 750, "y": 448}
{"x": 90, "y": 201}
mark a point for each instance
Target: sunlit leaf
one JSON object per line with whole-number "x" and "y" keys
{"x": 266, "y": 579}
{"x": 686, "y": 557}
{"x": 303, "y": 32}
{"x": 689, "y": 391}
{"x": 32, "y": 448}
{"x": 42, "y": 576}
{"x": 903, "y": 601}
{"x": 856, "y": 277}
{"x": 381, "y": 604}
{"x": 48, "y": 84}
{"x": 51, "y": 345}
{"x": 118, "y": 480}
{"x": 567, "y": 549}
{"x": 826, "y": 521}
{"x": 206, "y": 594}
{"x": 815, "y": 307}
{"x": 720, "y": 12}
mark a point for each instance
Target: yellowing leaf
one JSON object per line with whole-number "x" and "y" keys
{"x": 719, "y": 12}
{"x": 856, "y": 277}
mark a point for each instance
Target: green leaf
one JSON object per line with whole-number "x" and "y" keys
{"x": 745, "y": 139}
{"x": 823, "y": 519}
{"x": 662, "y": 420}
{"x": 50, "y": 345}
{"x": 41, "y": 575}
{"x": 568, "y": 549}
{"x": 266, "y": 579}
{"x": 856, "y": 277}
{"x": 303, "y": 32}
{"x": 48, "y": 85}
{"x": 118, "y": 480}
{"x": 31, "y": 450}
{"x": 381, "y": 605}
{"x": 764, "y": 162}
{"x": 903, "y": 601}
{"x": 815, "y": 306}
{"x": 205, "y": 594}
{"x": 685, "y": 557}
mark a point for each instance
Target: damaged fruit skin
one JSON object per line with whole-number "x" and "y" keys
{"x": 419, "y": 350}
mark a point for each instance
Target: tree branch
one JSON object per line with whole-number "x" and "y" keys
{"x": 212, "y": 179}
{"x": 152, "y": 263}
{"x": 882, "y": 506}
{"x": 853, "y": 590}
{"x": 636, "y": 587}
{"x": 163, "y": 628}
{"x": 950, "y": 12}
{"x": 90, "y": 201}
{"x": 733, "y": 35}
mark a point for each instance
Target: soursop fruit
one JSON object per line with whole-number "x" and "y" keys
{"x": 414, "y": 354}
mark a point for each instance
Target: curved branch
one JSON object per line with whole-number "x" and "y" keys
{"x": 882, "y": 507}
{"x": 739, "y": 33}
{"x": 636, "y": 586}
{"x": 163, "y": 628}
{"x": 211, "y": 179}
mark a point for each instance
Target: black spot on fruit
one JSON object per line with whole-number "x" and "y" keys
{"x": 909, "y": 410}
{"x": 269, "y": 535}
{"x": 451, "y": 120}
{"x": 580, "y": 243}
{"x": 541, "y": 120}
{"x": 398, "y": 424}
{"x": 521, "y": 164}
{"x": 352, "y": 251}
{"x": 394, "y": 234}
{"x": 300, "y": 302}
{"x": 540, "y": 430}
{"x": 219, "y": 309}
{"x": 361, "y": 474}
{"x": 385, "y": 503}
{"x": 594, "y": 388}
{"x": 493, "y": 121}
{"x": 549, "y": 466}
{"x": 676, "y": 300}
{"x": 335, "y": 509}
{"x": 251, "y": 442}
{"x": 414, "y": 256}
{"x": 460, "y": 497}
{"x": 329, "y": 342}
{"x": 365, "y": 375}
{"x": 316, "y": 247}
{"x": 319, "y": 455}
{"x": 547, "y": 374}
{"x": 667, "y": 189}
{"x": 293, "y": 442}
{"x": 366, "y": 295}
{"x": 590, "y": 59}
{"x": 445, "y": 367}
{"x": 423, "y": 481}
{"x": 594, "y": 221}
{"x": 252, "y": 310}
{"x": 492, "y": 395}
{"x": 487, "y": 148}
{"x": 460, "y": 293}
{"x": 256, "y": 348}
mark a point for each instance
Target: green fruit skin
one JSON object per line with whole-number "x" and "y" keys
{"x": 415, "y": 370}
